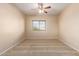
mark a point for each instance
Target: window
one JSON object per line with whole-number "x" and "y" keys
{"x": 39, "y": 25}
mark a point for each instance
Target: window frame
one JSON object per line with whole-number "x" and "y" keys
{"x": 39, "y": 25}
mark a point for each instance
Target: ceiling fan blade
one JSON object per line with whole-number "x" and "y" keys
{"x": 47, "y": 7}
{"x": 45, "y": 12}
{"x": 34, "y": 9}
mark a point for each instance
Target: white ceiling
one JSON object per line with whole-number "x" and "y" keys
{"x": 31, "y": 8}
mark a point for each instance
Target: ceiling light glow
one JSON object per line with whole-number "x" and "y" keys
{"x": 41, "y": 11}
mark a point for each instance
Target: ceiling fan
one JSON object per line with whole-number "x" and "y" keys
{"x": 42, "y": 8}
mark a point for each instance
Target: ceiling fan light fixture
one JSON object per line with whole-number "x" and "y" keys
{"x": 41, "y": 11}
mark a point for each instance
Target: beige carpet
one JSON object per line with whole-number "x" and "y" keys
{"x": 42, "y": 47}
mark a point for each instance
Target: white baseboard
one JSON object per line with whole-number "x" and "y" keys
{"x": 41, "y": 37}
{"x": 12, "y": 46}
{"x": 66, "y": 43}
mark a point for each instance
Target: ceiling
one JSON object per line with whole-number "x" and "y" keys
{"x": 31, "y": 8}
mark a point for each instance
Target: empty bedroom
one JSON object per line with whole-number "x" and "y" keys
{"x": 39, "y": 29}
